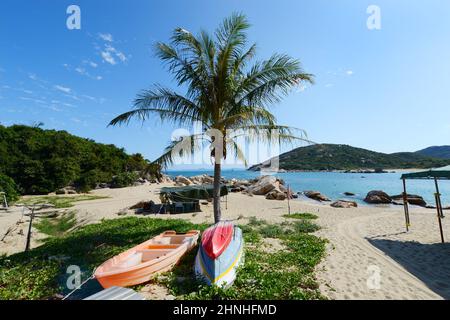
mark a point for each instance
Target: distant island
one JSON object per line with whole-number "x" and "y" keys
{"x": 339, "y": 157}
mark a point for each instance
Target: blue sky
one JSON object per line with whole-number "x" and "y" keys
{"x": 385, "y": 90}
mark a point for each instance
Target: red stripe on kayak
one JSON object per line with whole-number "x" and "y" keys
{"x": 216, "y": 238}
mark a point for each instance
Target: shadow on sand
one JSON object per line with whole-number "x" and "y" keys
{"x": 428, "y": 262}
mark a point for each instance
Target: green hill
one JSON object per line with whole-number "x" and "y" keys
{"x": 440, "y": 152}
{"x": 323, "y": 157}
{"x": 42, "y": 161}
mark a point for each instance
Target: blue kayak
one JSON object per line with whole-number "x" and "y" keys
{"x": 220, "y": 253}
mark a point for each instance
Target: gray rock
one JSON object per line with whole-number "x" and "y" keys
{"x": 276, "y": 195}
{"x": 180, "y": 180}
{"x": 344, "y": 204}
{"x": 412, "y": 199}
{"x": 263, "y": 186}
{"x": 316, "y": 195}
{"x": 378, "y": 197}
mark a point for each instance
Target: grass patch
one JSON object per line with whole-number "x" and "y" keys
{"x": 41, "y": 273}
{"x": 57, "y": 227}
{"x": 59, "y": 201}
{"x": 305, "y": 216}
{"x": 286, "y": 274}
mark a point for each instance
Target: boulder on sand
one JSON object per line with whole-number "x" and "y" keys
{"x": 344, "y": 204}
{"x": 412, "y": 199}
{"x": 276, "y": 195}
{"x": 377, "y": 197}
{"x": 263, "y": 186}
{"x": 202, "y": 179}
{"x": 183, "y": 180}
{"x": 316, "y": 195}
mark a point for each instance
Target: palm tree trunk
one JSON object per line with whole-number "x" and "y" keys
{"x": 216, "y": 193}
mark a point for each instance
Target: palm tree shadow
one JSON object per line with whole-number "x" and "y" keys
{"x": 428, "y": 262}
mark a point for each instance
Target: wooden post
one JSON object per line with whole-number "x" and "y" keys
{"x": 439, "y": 198}
{"x": 288, "y": 199}
{"x": 439, "y": 209}
{"x": 27, "y": 246}
{"x": 405, "y": 206}
{"x": 5, "y": 202}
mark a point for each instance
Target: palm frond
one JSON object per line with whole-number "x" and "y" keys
{"x": 166, "y": 104}
{"x": 179, "y": 148}
{"x": 267, "y": 81}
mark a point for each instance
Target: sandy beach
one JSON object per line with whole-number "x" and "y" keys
{"x": 369, "y": 254}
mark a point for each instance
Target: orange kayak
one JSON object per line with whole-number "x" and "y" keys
{"x": 142, "y": 262}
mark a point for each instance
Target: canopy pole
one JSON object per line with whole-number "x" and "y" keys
{"x": 288, "y": 198}
{"x": 405, "y": 206}
{"x": 439, "y": 209}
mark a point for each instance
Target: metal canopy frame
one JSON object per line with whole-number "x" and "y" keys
{"x": 427, "y": 175}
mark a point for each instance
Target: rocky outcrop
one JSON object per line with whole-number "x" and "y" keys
{"x": 344, "y": 204}
{"x": 271, "y": 187}
{"x": 263, "y": 186}
{"x": 412, "y": 199}
{"x": 276, "y": 195}
{"x": 316, "y": 195}
{"x": 378, "y": 197}
{"x": 182, "y": 181}
{"x": 202, "y": 179}
{"x": 366, "y": 171}
{"x": 66, "y": 190}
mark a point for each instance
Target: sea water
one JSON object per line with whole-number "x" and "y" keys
{"x": 334, "y": 184}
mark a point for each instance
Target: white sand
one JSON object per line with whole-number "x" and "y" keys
{"x": 362, "y": 241}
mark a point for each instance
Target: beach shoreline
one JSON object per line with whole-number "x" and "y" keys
{"x": 358, "y": 239}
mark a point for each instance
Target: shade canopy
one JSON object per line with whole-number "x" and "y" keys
{"x": 191, "y": 193}
{"x": 438, "y": 173}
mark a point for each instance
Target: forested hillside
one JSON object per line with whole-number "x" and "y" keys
{"x": 324, "y": 157}
{"x": 42, "y": 161}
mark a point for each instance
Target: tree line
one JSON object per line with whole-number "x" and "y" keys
{"x": 38, "y": 161}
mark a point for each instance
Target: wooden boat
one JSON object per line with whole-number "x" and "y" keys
{"x": 220, "y": 253}
{"x": 142, "y": 262}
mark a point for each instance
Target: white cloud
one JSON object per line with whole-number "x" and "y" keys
{"x": 107, "y": 57}
{"x": 121, "y": 56}
{"x": 110, "y": 53}
{"x": 329, "y": 85}
{"x": 349, "y": 72}
{"x": 90, "y": 63}
{"x": 106, "y": 37}
{"x": 80, "y": 70}
{"x": 74, "y": 97}
{"x": 97, "y": 100}
{"x": 33, "y": 100}
{"x": 63, "y": 89}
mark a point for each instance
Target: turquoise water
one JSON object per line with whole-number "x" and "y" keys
{"x": 334, "y": 184}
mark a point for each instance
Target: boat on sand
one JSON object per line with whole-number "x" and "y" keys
{"x": 142, "y": 262}
{"x": 220, "y": 254}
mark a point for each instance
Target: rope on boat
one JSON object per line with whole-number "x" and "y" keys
{"x": 77, "y": 288}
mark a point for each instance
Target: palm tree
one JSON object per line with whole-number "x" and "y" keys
{"x": 229, "y": 97}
